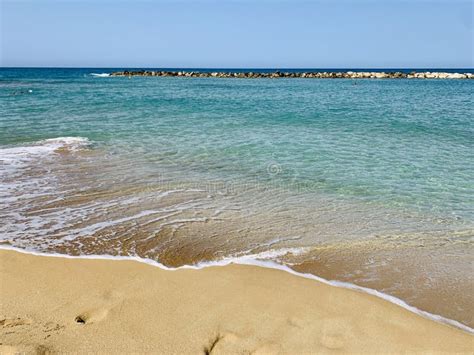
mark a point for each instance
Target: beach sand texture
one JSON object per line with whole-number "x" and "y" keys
{"x": 51, "y": 305}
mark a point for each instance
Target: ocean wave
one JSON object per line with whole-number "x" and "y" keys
{"x": 100, "y": 75}
{"x": 46, "y": 146}
{"x": 255, "y": 260}
{"x": 17, "y": 157}
{"x": 70, "y": 143}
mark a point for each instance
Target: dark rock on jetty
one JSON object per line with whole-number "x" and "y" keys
{"x": 318, "y": 75}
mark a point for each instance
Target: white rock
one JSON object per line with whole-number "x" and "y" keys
{"x": 456, "y": 76}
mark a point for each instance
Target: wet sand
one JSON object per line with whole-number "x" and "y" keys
{"x": 62, "y": 305}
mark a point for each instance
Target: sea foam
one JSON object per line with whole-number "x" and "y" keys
{"x": 15, "y": 157}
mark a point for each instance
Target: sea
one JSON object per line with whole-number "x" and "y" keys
{"x": 366, "y": 182}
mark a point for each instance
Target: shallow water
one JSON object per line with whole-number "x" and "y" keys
{"x": 366, "y": 181}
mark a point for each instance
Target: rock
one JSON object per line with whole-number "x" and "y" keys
{"x": 456, "y": 76}
{"x": 278, "y": 74}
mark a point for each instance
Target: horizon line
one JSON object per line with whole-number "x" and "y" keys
{"x": 225, "y": 68}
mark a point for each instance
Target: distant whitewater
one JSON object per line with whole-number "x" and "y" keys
{"x": 369, "y": 184}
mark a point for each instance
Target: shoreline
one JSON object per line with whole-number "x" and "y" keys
{"x": 292, "y": 75}
{"x": 62, "y": 283}
{"x": 250, "y": 260}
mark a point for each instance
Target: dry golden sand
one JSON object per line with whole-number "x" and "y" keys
{"x": 75, "y": 305}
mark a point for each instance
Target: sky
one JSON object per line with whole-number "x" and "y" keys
{"x": 237, "y": 34}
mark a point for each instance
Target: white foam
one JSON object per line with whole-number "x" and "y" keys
{"x": 18, "y": 187}
{"x": 16, "y": 157}
{"x": 96, "y": 227}
{"x": 280, "y": 240}
{"x": 70, "y": 142}
{"x": 43, "y": 147}
{"x": 270, "y": 254}
{"x": 100, "y": 75}
{"x": 254, "y": 261}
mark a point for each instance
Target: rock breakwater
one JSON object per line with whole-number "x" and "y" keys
{"x": 279, "y": 74}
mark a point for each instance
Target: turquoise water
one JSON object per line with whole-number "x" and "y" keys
{"x": 381, "y": 171}
{"x": 403, "y": 143}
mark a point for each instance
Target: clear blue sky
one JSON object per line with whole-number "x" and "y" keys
{"x": 245, "y": 33}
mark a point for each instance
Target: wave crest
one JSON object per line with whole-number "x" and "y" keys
{"x": 17, "y": 156}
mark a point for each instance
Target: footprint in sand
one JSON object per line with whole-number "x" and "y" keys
{"x": 224, "y": 342}
{"x": 335, "y": 333}
{"x": 52, "y": 327}
{"x": 24, "y": 349}
{"x": 101, "y": 308}
{"x": 92, "y": 316}
{"x": 14, "y": 322}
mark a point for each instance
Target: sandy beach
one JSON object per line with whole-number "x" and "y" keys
{"x": 235, "y": 177}
{"x": 59, "y": 305}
